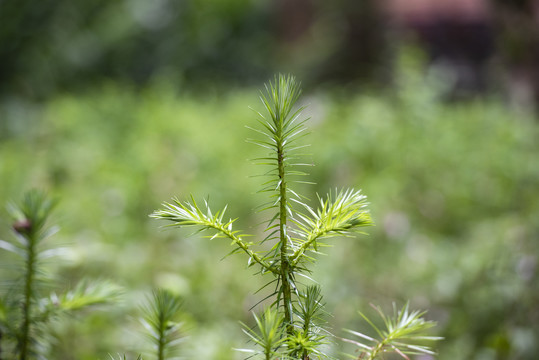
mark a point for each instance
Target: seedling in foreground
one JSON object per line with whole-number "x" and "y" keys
{"x": 291, "y": 327}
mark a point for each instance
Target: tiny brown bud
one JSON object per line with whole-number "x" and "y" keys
{"x": 22, "y": 226}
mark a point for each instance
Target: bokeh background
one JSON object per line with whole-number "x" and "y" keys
{"x": 430, "y": 107}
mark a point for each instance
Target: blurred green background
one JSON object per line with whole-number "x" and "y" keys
{"x": 116, "y": 106}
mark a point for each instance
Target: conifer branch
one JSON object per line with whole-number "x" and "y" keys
{"x": 404, "y": 334}
{"x": 84, "y": 295}
{"x": 309, "y": 336}
{"x": 190, "y": 214}
{"x": 342, "y": 215}
{"x": 268, "y": 334}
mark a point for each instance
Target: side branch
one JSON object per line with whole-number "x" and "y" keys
{"x": 294, "y": 259}
{"x": 189, "y": 214}
{"x": 344, "y": 214}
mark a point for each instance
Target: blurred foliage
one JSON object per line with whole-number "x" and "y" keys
{"x": 61, "y": 45}
{"x": 56, "y": 45}
{"x": 453, "y": 190}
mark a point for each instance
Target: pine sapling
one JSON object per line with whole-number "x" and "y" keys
{"x": 160, "y": 319}
{"x": 24, "y": 308}
{"x": 296, "y": 230}
{"x": 292, "y": 327}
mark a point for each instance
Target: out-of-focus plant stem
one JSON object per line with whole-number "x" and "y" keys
{"x": 28, "y": 291}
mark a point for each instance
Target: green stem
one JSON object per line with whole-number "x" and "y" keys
{"x": 305, "y": 355}
{"x": 239, "y": 242}
{"x": 294, "y": 258}
{"x": 285, "y": 264}
{"x": 24, "y": 341}
{"x": 161, "y": 345}
{"x": 376, "y": 350}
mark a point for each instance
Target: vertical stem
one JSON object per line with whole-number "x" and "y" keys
{"x": 160, "y": 351}
{"x": 24, "y": 341}
{"x": 285, "y": 265}
{"x": 306, "y": 326}
{"x": 162, "y": 329}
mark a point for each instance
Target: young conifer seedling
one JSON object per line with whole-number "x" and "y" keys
{"x": 25, "y": 308}
{"x": 160, "y": 314}
{"x": 291, "y": 328}
{"x": 160, "y": 319}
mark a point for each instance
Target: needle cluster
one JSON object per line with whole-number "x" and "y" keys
{"x": 404, "y": 334}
